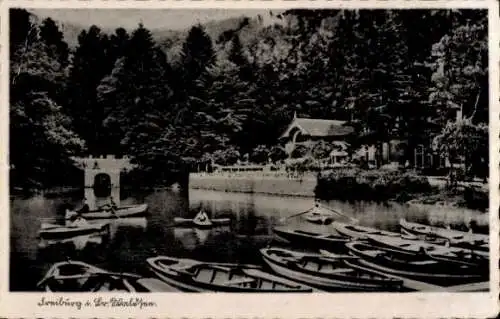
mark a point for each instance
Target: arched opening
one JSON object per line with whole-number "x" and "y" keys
{"x": 102, "y": 185}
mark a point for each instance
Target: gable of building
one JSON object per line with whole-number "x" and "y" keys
{"x": 318, "y": 128}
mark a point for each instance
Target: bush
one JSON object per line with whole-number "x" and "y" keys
{"x": 300, "y": 151}
{"x": 358, "y": 184}
{"x": 476, "y": 198}
{"x": 259, "y": 155}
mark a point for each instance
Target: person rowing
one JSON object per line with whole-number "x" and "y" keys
{"x": 202, "y": 218}
{"x": 76, "y": 217}
{"x": 85, "y": 207}
{"x": 78, "y": 212}
{"x": 111, "y": 206}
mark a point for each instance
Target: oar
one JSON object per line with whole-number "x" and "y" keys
{"x": 295, "y": 215}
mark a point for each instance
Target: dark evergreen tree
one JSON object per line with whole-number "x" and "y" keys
{"x": 40, "y": 155}
{"x": 54, "y": 40}
{"x": 136, "y": 98}
{"x": 90, "y": 65}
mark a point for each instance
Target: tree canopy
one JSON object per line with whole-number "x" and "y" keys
{"x": 392, "y": 74}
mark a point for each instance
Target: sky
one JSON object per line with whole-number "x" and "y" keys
{"x": 174, "y": 19}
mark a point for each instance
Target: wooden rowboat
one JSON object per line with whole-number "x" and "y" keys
{"x": 361, "y": 232}
{"x": 201, "y": 220}
{"x": 421, "y": 268}
{"x": 455, "y": 237}
{"x": 54, "y": 231}
{"x": 332, "y": 274}
{"x": 312, "y": 239}
{"x": 442, "y": 253}
{"x": 120, "y": 212}
{"x": 77, "y": 276}
{"x": 189, "y": 222}
{"x": 321, "y": 216}
{"x": 197, "y": 276}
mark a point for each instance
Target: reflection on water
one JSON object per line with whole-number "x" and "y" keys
{"x": 78, "y": 242}
{"x": 191, "y": 238}
{"x": 132, "y": 240}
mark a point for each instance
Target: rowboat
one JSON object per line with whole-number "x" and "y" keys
{"x": 197, "y": 276}
{"x": 120, "y": 212}
{"x": 52, "y": 231}
{"x": 332, "y": 274}
{"x": 361, "y": 232}
{"x": 201, "y": 221}
{"x": 441, "y": 253}
{"x": 317, "y": 215}
{"x": 416, "y": 267}
{"x": 455, "y": 237}
{"x": 188, "y": 222}
{"x": 77, "y": 276}
{"x": 312, "y": 239}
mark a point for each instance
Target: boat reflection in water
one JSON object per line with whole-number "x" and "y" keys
{"x": 90, "y": 241}
{"x": 77, "y": 243}
{"x": 191, "y": 238}
{"x": 138, "y": 223}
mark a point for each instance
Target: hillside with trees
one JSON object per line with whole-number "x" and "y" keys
{"x": 170, "y": 100}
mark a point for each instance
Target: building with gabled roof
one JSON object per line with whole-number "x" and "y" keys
{"x": 307, "y": 132}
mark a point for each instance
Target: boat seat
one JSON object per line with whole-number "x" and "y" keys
{"x": 182, "y": 269}
{"x": 341, "y": 270}
{"x": 424, "y": 262}
{"x": 238, "y": 281}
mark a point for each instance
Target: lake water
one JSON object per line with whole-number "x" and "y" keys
{"x": 133, "y": 240}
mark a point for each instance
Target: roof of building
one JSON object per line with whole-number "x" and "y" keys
{"x": 319, "y": 127}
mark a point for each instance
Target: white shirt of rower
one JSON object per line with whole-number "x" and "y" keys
{"x": 79, "y": 222}
{"x": 201, "y": 216}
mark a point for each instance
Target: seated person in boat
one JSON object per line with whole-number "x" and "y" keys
{"x": 111, "y": 206}
{"x": 79, "y": 221}
{"x": 85, "y": 207}
{"x": 201, "y": 216}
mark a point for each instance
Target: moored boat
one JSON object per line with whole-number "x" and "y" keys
{"x": 312, "y": 239}
{"x": 442, "y": 253}
{"x": 120, "y": 212}
{"x": 361, "y": 232}
{"x": 455, "y": 237}
{"x": 198, "y": 276}
{"x": 332, "y": 274}
{"x": 417, "y": 267}
{"x": 77, "y": 276}
{"x": 55, "y": 231}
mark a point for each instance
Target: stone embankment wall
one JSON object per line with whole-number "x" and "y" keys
{"x": 253, "y": 183}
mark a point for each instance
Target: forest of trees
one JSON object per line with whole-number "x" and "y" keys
{"x": 391, "y": 74}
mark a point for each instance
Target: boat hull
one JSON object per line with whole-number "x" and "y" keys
{"x": 328, "y": 282}
{"x": 419, "y": 268}
{"x": 69, "y": 232}
{"x": 121, "y": 212}
{"x": 452, "y": 255}
{"x": 454, "y": 237}
{"x": 361, "y": 232}
{"x": 77, "y": 276}
{"x": 185, "y": 282}
{"x": 309, "y": 240}
{"x": 186, "y": 222}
